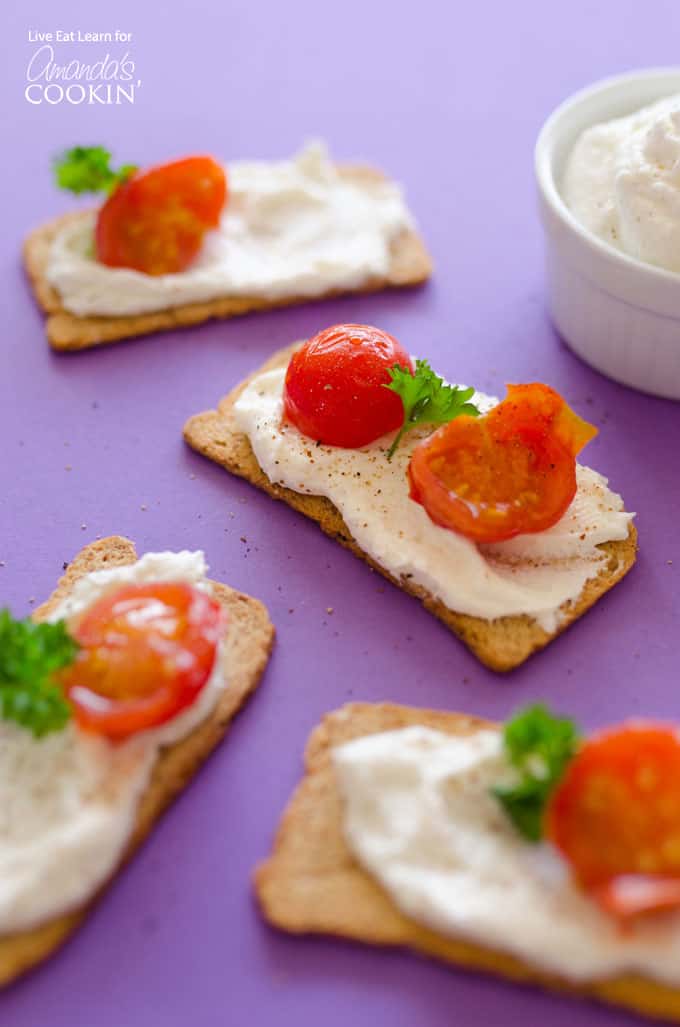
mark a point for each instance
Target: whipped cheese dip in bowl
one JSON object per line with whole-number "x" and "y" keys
{"x": 607, "y": 164}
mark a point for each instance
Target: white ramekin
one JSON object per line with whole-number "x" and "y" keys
{"x": 618, "y": 314}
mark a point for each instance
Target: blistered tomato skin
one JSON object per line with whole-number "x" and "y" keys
{"x": 508, "y": 473}
{"x": 146, "y": 651}
{"x": 156, "y": 220}
{"x": 615, "y": 817}
{"x": 334, "y": 389}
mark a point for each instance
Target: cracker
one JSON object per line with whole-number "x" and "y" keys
{"x": 501, "y": 644}
{"x": 410, "y": 265}
{"x": 311, "y": 884}
{"x": 249, "y": 641}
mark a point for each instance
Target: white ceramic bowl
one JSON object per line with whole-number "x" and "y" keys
{"x": 620, "y": 315}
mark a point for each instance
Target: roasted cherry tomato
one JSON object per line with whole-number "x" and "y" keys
{"x": 155, "y": 221}
{"x": 513, "y": 471}
{"x": 146, "y": 652}
{"x": 615, "y": 816}
{"x": 334, "y": 386}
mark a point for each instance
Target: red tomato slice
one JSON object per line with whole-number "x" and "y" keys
{"x": 334, "y": 386}
{"x": 615, "y": 816}
{"x": 508, "y": 473}
{"x": 146, "y": 653}
{"x": 156, "y": 220}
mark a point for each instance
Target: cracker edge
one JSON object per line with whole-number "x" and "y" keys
{"x": 502, "y": 644}
{"x": 311, "y": 884}
{"x": 250, "y": 639}
{"x": 411, "y": 265}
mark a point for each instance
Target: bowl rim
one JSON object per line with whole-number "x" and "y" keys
{"x": 543, "y": 169}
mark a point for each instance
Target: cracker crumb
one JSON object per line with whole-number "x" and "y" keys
{"x": 329, "y": 609}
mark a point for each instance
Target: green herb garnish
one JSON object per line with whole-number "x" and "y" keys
{"x": 539, "y": 746}
{"x": 30, "y": 654}
{"x": 87, "y": 169}
{"x": 427, "y": 399}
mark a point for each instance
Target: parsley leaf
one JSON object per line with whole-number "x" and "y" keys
{"x": 87, "y": 169}
{"x": 427, "y": 399}
{"x": 29, "y": 655}
{"x": 539, "y": 746}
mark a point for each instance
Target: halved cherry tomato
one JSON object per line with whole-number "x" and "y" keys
{"x": 334, "y": 386}
{"x": 146, "y": 653}
{"x": 513, "y": 471}
{"x": 155, "y": 221}
{"x": 615, "y": 816}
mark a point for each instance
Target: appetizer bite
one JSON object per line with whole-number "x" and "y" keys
{"x": 477, "y": 507}
{"x": 192, "y": 240}
{"x": 530, "y": 852}
{"x": 110, "y": 700}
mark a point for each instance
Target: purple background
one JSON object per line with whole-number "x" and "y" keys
{"x": 449, "y": 98}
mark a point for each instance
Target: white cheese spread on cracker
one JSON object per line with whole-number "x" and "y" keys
{"x": 291, "y": 228}
{"x": 419, "y": 818}
{"x": 531, "y": 574}
{"x": 68, "y": 801}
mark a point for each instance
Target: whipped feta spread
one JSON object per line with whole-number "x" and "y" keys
{"x": 419, "y": 818}
{"x": 296, "y": 227}
{"x": 530, "y": 574}
{"x": 68, "y": 801}
{"x": 622, "y": 182}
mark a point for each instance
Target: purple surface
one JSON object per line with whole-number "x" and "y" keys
{"x": 449, "y": 98}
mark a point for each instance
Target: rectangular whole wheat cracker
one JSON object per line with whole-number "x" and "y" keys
{"x": 501, "y": 644}
{"x": 410, "y": 264}
{"x": 250, "y": 636}
{"x": 311, "y": 884}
